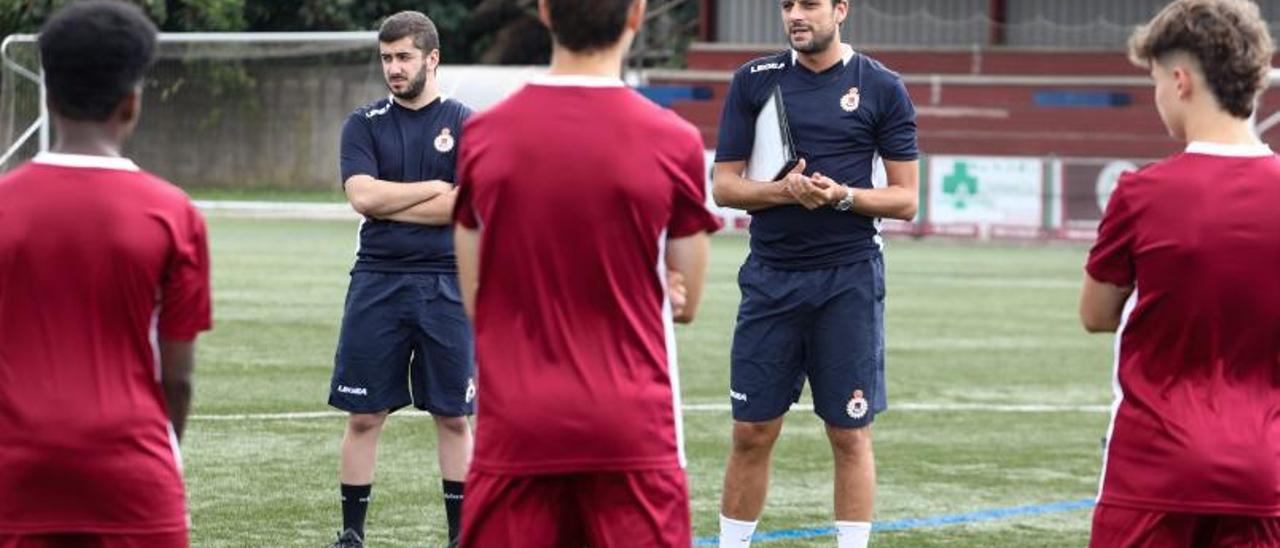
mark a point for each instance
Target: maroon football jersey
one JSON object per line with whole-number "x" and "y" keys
{"x": 1196, "y": 421}
{"x": 576, "y": 184}
{"x": 96, "y": 259}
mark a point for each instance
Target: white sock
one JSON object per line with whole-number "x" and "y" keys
{"x": 852, "y": 534}
{"x": 735, "y": 533}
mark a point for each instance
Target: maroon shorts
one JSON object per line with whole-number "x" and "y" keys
{"x": 1119, "y": 527}
{"x": 173, "y": 539}
{"x": 602, "y": 510}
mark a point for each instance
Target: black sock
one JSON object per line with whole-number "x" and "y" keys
{"x": 453, "y": 507}
{"x": 355, "y": 504}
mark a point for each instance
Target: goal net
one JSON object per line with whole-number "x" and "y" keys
{"x": 240, "y": 110}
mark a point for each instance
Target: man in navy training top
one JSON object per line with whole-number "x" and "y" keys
{"x": 813, "y": 286}
{"x": 405, "y": 338}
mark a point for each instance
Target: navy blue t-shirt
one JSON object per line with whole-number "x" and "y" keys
{"x": 389, "y": 142}
{"x": 841, "y": 120}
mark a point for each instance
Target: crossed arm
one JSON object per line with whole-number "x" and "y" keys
{"x": 425, "y": 203}
{"x": 898, "y": 200}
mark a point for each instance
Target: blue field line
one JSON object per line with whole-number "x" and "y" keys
{"x": 918, "y": 523}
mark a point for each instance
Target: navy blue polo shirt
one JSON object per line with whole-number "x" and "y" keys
{"x": 842, "y": 119}
{"x": 389, "y": 142}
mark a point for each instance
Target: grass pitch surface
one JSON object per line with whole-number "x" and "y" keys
{"x": 998, "y": 395}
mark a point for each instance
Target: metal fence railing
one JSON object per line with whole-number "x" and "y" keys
{"x": 1092, "y": 24}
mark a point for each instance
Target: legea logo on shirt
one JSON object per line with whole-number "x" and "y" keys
{"x": 378, "y": 112}
{"x": 767, "y": 66}
{"x": 355, "y": 391}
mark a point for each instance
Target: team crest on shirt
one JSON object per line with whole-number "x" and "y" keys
{"x": 444, "y": 141}
{"x": 471, "y": 389}
{"x": 851, "y": 100}
{"x": 857, "y": 406}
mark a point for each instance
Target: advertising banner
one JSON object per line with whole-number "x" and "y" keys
{"x": 986, "y": 191}
{"x": 1086, "y": 185}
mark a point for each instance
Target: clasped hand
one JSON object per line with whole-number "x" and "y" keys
{"x": 813, "y": 191}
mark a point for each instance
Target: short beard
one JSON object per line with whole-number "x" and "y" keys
{"x": 820, "y": 42}
{"x": 416, "y": 86}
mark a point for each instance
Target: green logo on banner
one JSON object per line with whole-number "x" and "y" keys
{"x": 960, "y": 185}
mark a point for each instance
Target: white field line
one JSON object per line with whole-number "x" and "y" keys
{"x": 984, "y": 283}
{"x": 720, "y": 408}
{"x": 278, "y": 210}
{"x": 343, "y": 211}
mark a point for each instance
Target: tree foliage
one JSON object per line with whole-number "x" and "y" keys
{"x": 471, "y": 31}
{"x": 26, "y": 16}
{"x": 451, "y": 16}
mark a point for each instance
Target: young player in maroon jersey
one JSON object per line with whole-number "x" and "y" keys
{"x": 103, "y": 268}
{"x": 577, "y": 197}
{"x": 1186, "y": 270}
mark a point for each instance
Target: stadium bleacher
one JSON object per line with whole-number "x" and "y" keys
{"x": 988, "y": 101}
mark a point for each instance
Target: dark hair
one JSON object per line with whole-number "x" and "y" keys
{"x": 588, "y": 25}
{"x": 1228, "y": 38}
{"x": 410, "y": 23}
{"x": 95, "y": 53}
{"x": 834, "y": 3}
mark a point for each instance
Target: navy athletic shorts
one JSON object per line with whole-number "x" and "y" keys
{"x": 826, "y": 325}
{"x": 405, "y": 340}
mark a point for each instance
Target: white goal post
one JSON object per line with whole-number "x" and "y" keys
{"x": 240, "y": 109}
{"x": 29, "y": 71}
{"x": 18, "y": 75}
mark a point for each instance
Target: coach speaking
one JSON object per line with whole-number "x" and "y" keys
{"x": 813, "y": 285}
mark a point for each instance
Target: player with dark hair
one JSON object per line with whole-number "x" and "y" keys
{"x": 405, "y": 338}
{"x": 1186, "y": 271}
{"x": 103, "y": 269}
{"x": 813, "y": 286}
{"x": 581, "y": 235}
